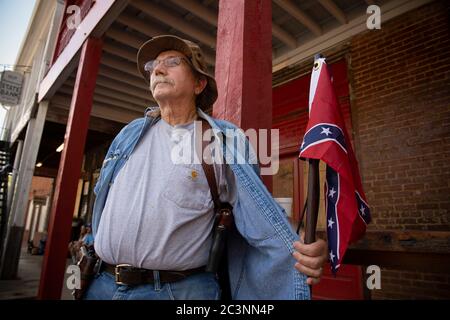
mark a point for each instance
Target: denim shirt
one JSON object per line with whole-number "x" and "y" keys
{"x": 260, "y": 261}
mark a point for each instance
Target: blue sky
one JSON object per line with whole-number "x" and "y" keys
{"x": 14, "y": 18}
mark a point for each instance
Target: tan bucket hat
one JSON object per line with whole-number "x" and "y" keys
{"x": 152, "y": 48}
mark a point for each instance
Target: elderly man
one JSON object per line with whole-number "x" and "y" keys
{"x": 153, "y": 217}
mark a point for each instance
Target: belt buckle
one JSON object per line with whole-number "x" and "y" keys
{"x": 117, "y": 272}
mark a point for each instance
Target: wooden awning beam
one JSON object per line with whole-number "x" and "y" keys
{"x": 299, "y": 15}
{"x": 121, "y": 85}
{"x": 126, "y": 38}
{"x": 284, "y": 36}
{"x": 136, "y": 42}
{"x": 124, "y": 78}
{"x": 120, "y": 52}
{"x": 104, "y": 98}
{"x": 120, "y": 65}
{"x": 334, "y": 10}
{"x": 105, "y": 91}
{"x": 197, "y": 9}
{"x": 60, "y": 115}
{"x": 169, "y": 19}
{"x": 100, "y": 110}
{"x": 144, "y": 27}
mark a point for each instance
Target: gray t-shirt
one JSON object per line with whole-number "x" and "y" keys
{"x": 159, "y": 215}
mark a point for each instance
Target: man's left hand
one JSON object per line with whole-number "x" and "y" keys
{"x": 310, "y": 259}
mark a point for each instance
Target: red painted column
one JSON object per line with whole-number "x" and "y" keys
{"x": 244, "y": 65}
{"x": 53, "y": 266}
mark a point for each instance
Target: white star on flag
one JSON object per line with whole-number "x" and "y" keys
{"x": 326, "y": 131}
{"x": 362, "y": 209}
{"x": 332, "y": 256}
{"x": 330, "y": 223}
{"x": 332, "y": 192}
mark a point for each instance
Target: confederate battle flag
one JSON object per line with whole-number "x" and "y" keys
{"x": 326, "y": 139}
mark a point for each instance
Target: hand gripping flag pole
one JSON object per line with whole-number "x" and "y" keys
{"x": 326, "y": 139}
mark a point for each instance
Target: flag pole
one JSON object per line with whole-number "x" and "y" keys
{"x": 312, "y": 204}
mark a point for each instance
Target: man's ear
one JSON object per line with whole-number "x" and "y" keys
{"x": 200, "y": 84}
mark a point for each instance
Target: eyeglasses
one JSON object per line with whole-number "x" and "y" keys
{"x": 168, "y": 62}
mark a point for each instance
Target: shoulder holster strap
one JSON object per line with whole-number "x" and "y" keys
{"x": 208, "y": 167}
{"x": 218, "y": 260}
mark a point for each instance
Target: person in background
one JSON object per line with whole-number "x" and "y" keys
{"x": 85, "y": 238}
{"x": 88, "y": 238}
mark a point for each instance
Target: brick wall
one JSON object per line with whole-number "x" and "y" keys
{"x": 401, "y": 111}
{"x": 401, "y": 86}
{"x": 407, "y": 284}
{"x": 40, "y": 187}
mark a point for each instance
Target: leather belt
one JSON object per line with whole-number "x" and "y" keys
{"x": 128, "y": 275}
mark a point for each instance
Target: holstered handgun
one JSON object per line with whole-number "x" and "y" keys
{"x": 221, "y": 229}
{"x": 87, "y": 265}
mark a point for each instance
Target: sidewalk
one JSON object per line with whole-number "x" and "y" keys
{"x": 27, "y": 284}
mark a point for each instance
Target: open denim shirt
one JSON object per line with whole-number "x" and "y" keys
{"x": 260, "y": 261}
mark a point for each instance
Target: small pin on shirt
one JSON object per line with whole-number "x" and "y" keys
{"x": 194, "y": 175}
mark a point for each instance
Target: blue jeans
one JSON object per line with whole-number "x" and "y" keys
{"x": 200, "y": 286}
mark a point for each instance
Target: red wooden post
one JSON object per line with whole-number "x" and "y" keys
{"x": 244, "y": 65}
{"x": 53, "y": 266}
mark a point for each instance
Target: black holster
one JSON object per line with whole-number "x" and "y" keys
{"x": 224, "y": 221}
{"x": 87, "y": 265}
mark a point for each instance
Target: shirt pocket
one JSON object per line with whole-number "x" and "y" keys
{"x": 187, "y": 187}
